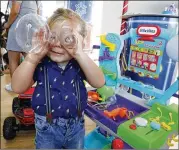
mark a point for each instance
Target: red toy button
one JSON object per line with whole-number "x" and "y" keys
{"x": 117, "y": 144}
{"x": 133, "y": 127}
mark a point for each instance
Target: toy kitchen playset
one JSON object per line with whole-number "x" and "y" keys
{"x": 132, "y": 110}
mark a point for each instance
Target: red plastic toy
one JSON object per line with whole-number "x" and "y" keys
{"x": 21, "y": 108}
{"x": 133, "y": 127}
{"x": 117, "y": 144}
{"x": 94, "y": 96}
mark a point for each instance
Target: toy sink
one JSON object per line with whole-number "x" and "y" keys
{"x": 95, "y": 140}
{"x": 96, "y": 114}
{"x": 156, "y": 139}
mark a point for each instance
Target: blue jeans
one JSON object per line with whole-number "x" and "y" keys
{"x": 61, "y": 133}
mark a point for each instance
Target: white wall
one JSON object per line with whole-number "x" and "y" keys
{"x": 149, "y": 6}
{"x": 110, "y": 16}
{"x": 112, "y": 10}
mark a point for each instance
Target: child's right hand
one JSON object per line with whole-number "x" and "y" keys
{"x": 41, "y": 47}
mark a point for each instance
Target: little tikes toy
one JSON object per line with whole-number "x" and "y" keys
{"x": 169, "y": 141}
{"x": 117, "y": 144}
{"x": 122, "y": 112}
{"x": 105, "y": 92}
{"x": 141, "y": 122}
{"x": 154, "y": 126}
{"x": 148, "y": 46}
{"x": 104, "y": 105}
{"x": 21, "y": 108}
{"x": 139, "y": 63}
{"x": 94, "y": 96}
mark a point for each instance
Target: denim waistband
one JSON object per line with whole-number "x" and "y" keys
{"x": 62, "y": 120}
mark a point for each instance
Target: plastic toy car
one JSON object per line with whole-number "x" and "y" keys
{"x": 21, "y": 108}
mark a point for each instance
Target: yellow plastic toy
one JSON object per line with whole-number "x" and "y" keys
{"x": 157, "y": 119}
{"x": 169, "y": 142}
{"x": 111, "y": 46}
{"x": 174, "y": 138}
{"x": 165, "y": 126}
{"x": 171, "y": 120}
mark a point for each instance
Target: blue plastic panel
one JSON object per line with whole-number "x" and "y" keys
{"x": 141, "y": 87}
{"x": 110, "y": 65}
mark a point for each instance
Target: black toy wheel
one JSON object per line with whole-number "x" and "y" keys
{"x": 9, "y": 128}
{"x": 15, "y": 104}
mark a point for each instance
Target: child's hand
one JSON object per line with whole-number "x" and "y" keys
{"x": 77, "y": 49}
{"x": 40, "y": 47}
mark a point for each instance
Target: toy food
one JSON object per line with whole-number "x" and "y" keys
{"x": 122, "y": 112}
{"x": 154, "y": 126}
{"x": 133, "y": 127}
{"x": 117, "y": 144}
{"x": 165, "y": 126}
{"x": 94, "y": 96}
{"x": 141, "y": 122}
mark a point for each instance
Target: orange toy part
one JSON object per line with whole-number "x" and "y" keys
{"x": 112, "y": 114}
{"x": 93, "y": 95}
{"x": 122, "y": 112}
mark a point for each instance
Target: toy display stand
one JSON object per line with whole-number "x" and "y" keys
{"x": 110, "y": 50}
{"x": 100, "y": 141}
{"x": 108, "y": 129}
{"x": 149, "y": 15}
{"x": 97, "y": 114}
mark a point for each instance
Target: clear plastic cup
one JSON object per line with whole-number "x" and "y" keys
{"x": 32, "y": 33}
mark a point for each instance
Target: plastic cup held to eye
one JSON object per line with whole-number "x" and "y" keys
{"x": 26, "y": 29}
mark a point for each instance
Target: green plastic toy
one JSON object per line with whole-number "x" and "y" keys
{"x": 105, "y": 92}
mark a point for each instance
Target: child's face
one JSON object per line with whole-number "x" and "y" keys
{"x": 57, "y": 52}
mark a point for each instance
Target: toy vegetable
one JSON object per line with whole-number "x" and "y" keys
{"x": 117, "y": 144}
{"x": 94, "y": 96}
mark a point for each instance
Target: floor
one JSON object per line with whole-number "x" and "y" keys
{"x": 24, "y": 140}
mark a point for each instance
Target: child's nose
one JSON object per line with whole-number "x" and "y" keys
{"x": 54, "y": 40}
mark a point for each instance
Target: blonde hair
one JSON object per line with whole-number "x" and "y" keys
{"x": 62, "y": 14}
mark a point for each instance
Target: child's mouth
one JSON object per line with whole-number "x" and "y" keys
{"x": 57, "y": 50}
{"x": 57, "y": 53}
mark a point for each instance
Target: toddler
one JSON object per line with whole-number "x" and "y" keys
{"x": 60, "y": 96}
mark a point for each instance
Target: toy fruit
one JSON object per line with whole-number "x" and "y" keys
{"x": 133, "y": 127}
{"x": 117, "y": 144}
{"x": 94, "y": 96}
{"x": 141, "y": 122}
{"x": 155, "y": 127}
{"x": 165, "y": 126}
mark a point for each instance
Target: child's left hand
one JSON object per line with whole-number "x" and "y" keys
{"x": 77, "y": 49}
